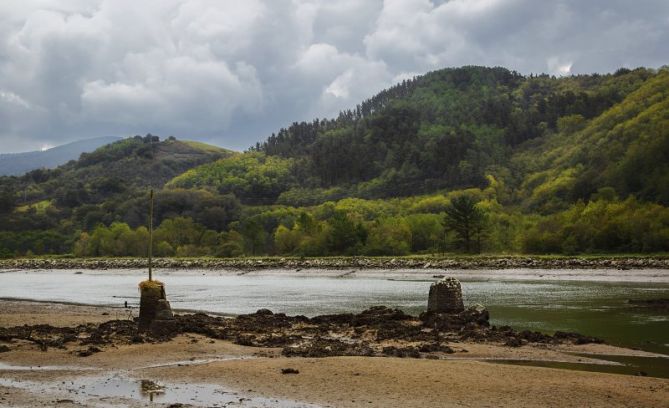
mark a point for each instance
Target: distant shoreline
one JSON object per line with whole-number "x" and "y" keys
{"x": 414, "y": 262}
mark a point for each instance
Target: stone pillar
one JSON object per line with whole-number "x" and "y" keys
{"x": 445, "y": 297}
{"x": 153, "y": 305}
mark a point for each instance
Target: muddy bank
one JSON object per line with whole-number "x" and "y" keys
{"x": 482, "y": 262}
{"x": 202, "y": 370}
{"x": 378, "y": 331}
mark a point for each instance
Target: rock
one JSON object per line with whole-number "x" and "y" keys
{"x": 4, "y": 349}
{"x": 513, "y": 342}
{"x": 289, "y": 371}
{"x": 88, "y": 352}
{"x": 151, "y": 387}
{"x": 265, "y": 312}
{"x": 445, "y": 296}
{"x": 163, "y": 328}
{"x": 401, "y": 352}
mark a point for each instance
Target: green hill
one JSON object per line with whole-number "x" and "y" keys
{"x": 107, "y": 185}
{"x": 471, "y": 158}
{"x": 545, "y": 138}
{"x": 115, "y": 168}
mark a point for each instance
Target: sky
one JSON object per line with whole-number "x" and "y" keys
{"x": 231, "y": 72}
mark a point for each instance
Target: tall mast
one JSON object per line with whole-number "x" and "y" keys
{"x": 150, "y": 234}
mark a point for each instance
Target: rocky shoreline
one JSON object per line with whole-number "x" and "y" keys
{"x": 378, "y": 331}
{"x": 74, "y": 356}
{"x": 482, "y": 262}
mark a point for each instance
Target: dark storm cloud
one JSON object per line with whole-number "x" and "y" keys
{"x": 231, "y": 72}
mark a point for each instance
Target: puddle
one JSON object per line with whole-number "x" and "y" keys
{"x": 117, "y": 388}
{"x": 629, "y": 365}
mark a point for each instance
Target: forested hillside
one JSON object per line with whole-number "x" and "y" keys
{"x": 468, "y": 159}
{"x": 443, "y": 131}
{"x": 44, "y": 210}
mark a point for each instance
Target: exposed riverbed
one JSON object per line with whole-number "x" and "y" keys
{"x": 592, "y": 302}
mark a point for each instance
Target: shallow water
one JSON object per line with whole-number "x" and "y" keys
{"x": 629, "y": 365}
{"x": 95, "y": 389}
{"x": 596, "y": 307}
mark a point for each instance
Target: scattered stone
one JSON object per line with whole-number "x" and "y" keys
{"x": 401, "y": 352}
{"x": 435, "y": 347}
{"x": 89, "y": 351}
{"x": 289, "y": 371}
{"x": 513, "y": 342}
{"x": 377, "y": 331}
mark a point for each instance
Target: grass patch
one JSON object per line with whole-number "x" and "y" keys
{"x": 40, "y": 207}
{"x": 205, "y": 147}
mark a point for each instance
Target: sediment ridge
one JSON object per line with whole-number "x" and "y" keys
{"x": 475, "y": 262}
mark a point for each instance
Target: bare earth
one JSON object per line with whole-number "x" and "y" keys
{"x": 204, "y": 372}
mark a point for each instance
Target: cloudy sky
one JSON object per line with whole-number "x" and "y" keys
{"x": 230, "y": 72}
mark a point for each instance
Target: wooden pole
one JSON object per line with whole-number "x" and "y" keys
{"x": 150, "y": 234}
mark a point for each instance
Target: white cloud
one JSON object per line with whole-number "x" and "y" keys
{"x": 232, "y": 72}
{"x": 14, "y": 99}
{"x": 559, "y": 67}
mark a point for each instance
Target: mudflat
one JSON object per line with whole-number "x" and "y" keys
{"x": 200, "y": 370}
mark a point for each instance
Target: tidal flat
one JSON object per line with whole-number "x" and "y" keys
{"x": 224, "y": 367}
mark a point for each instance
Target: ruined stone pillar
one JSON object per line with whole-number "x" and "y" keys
{"x": 153, "y": 304}
{"x": 445, "y": 297}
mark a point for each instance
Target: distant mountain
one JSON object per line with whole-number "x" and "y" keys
{"x": 16, "y": 164}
